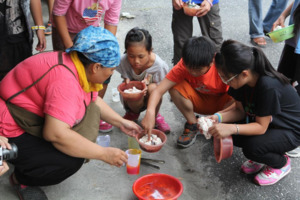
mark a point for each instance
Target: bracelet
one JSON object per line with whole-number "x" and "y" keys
{"x": 211, "y": 4}
{"x": 38, "y": 27}
{"x": 237, "y": 129}
{"x": 220, "y": 119}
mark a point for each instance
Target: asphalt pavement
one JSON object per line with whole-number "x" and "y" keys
{"x": 202, "y": 177}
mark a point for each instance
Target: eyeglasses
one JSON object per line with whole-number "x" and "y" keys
{"x": 226, "y": 82}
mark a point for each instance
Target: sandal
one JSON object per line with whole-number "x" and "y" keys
{"x": 27, "y": 192}
{"x": 259, "y": 42}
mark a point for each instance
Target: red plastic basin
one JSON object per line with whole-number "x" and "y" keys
{"x": 157, "y": 186}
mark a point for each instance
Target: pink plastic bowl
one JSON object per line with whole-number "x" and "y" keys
{"x": 134, "y": 96}
{"x": 157, "y": 186}
{"x": 223, "y": 148}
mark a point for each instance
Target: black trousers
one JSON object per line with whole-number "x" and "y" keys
{"x": 268, "y": 148}
{"x": 40, "y": 164}
{"x": 289, "y": 64}
{"x": 13, "y": 54}
{"x": 182, "y": 29}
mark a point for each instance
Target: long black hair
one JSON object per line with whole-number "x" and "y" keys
{"x": 138, "y": 35}
{"x": 235, "y": 57}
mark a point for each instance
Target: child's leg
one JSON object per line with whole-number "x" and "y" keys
{"x": 182, "y": 29}
{"x": 268, "y": 148}
{"x": 188, "y": 101}
{"x": 184, "y": 105}
{"x": 160, "y": 122}
{"x": 183, "y": 97}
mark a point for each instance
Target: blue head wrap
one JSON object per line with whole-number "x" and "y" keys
{"x": 98, "y": 45}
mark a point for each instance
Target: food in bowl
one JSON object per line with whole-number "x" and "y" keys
{"x": 190, "y": 8}
{"x": 132, "y": 90}
{"x": 154, "y": 140}
{"x": 277, "y": 28}
{"x": 192, "y": 5}
{"x": 152, "y": 148}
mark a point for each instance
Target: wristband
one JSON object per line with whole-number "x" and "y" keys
{"x": 237, "y": 129}
{"x": 210, "y": 3}
{"x": 219, "y": 117}
{"x": 38, "y": 27}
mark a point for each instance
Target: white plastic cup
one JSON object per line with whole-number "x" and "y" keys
{"x": 134, "y": 161}
{"x": 115, "y": 95}
{"x": 103, "y": 140}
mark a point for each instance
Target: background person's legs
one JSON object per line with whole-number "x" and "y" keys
{"x": 211, "y": 25}
{"x": 182, "y": 29}
{"x": 276, "y": 8}
{"x": 256, "y": 23}
{"x": 48, "y": 30}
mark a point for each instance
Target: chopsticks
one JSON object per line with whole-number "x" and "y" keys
{"x": 145, "y": 161}
{"x": 153, "y": 160}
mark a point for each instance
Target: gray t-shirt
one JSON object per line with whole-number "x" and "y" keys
{"x": 158, "y": 70}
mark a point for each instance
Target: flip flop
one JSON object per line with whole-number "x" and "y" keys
{"x": 259, "y": 42}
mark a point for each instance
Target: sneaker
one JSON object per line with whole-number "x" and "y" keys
{"x": 27, "y": 192}
{"x": 189, "y": 135}
{"x": 251, "y": 167}
{"x": 161, "y": 124}
{"x": 131, "y": 116}
{"x": 270, "y": 176}
{"x": 105, "y": 127}
{"x": 294, "y": 153}
{"x": 48, "y": 30}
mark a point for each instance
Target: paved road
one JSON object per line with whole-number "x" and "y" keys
{"x": 201, "y": 175}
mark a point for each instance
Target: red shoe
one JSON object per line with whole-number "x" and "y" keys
{"x": 161, "y": 124}
{"x": 131, "y": 116}
{"x": 105, "y": 127}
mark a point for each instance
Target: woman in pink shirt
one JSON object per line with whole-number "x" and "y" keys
{"x": 71, "y": 16}
{"x": 50, "y": 109}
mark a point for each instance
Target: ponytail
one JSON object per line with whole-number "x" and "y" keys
{"x": 236, "y": 57}
{"x": 263, "y": 66}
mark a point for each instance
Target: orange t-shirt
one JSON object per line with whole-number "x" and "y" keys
{"x": 209, "y": 83}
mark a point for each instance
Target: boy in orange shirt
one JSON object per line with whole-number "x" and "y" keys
{"x": 194, "y": 86}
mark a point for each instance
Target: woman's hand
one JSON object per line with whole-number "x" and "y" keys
{"x": 114, "y": 156}
{"x": 4, "y": 168}
{"x": 130, "y": 128}
{"x": 221, "y": 130}
{"x": 4, "y": 143}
